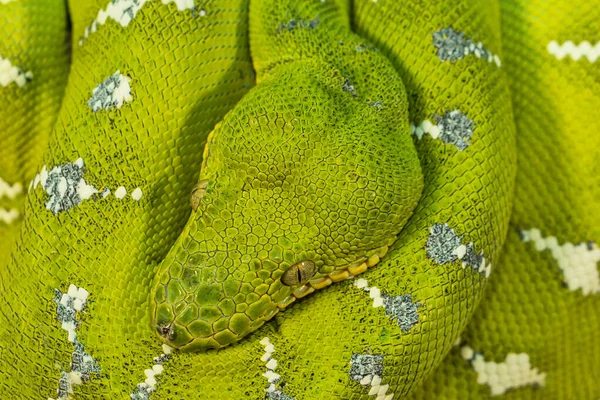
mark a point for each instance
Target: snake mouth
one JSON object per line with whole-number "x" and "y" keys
{"x": 337, "y": 275}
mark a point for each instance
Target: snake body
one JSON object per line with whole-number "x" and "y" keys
{"x": 368, "y": 147}
{"x": 35, "y": 46}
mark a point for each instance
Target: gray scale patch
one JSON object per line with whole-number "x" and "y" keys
{"x": 102, "y": 95}
{"x": 377, "y": 105}
{"x": 402, "y": 310}
{"x": 277, "y": 394}
{"x": 441, "y": 244}
{"x": 471, "y": 258}
{"x": 453, "y": 45}
{"x": 64, "y": 314}
{"x": 294, "y": 24}
{"x": 64, "y": 386}
{"x": 364, "y": 47}
{"x": 130, "y": 11}
{"x": 455, "y": 128}
{"x": 362, "y": 365}
{"x": 83, "y": 363}
{"x": 141, "y": 392}
{"x": 348, "y": 87}
{"x": 61, "y": 186}
{"x": 162, "y": 359}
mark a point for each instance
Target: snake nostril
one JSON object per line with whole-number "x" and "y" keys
{"x": 166, "y": 331}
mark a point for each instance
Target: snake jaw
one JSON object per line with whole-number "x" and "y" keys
{"x": 185, "y": 333}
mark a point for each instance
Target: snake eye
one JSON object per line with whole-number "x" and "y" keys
{"x": 299, "y": 273}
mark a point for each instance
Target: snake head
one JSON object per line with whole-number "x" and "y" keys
{"x": 302, "y": 184}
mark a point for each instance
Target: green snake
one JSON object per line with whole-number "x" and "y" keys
{"x": 227, "y": 199}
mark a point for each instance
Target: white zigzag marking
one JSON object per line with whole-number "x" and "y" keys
{"x": 113, "y": 92}
{"x": 9, "y": 74}
{"x": 57, "y": 187}
{"x": 144, "y": 390}
{"x": 8, "y": 190}
{"x": 514, "y": 372}
{"x": 124, "y": 11}
{"x": 578, "y": 262}
{"x": 8, "y": 216}
{"x": 272, "y": 391}
{"x": 575, "y": 51}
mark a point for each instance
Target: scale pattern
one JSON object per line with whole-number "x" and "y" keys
{"x": 34, "y": 39}
{"x": 392, "y": 332}
{"x": 529, "y": 307}
{"x": 292, "y": 175}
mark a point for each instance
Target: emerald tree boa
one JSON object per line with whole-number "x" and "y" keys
{"x": 299, "y": 199}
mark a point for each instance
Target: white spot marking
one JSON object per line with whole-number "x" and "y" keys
{"x": 144, "y": 389}
{"x": 112, "y": 93}
{"x": 578, "y": 262}
{"x": 120, "y": 192}
{"x": 60, "y": 187}
{"x": 85, "y": 191}
{"x": 453, "y": 127}
{"x": 124, "y": 11}
{"x": 445, "y": 246}
{"x": 9, "y": 74}
{"x": 271, "y": 365}
{"x": 64, "y": 185}
{"x": 372, "y": 379}
{"x": 401, "y": 309}
{"x": 136, "y": 194}
{"x": 182, "y": 5}
{"x": 361, "y": 283}
{"x": 272, "y": 377}
{"x": 72, "y": 291}
{"x": 10, "y": 191}
{"x": 575, "y": 51}
{"x": 514, "y": 372}
{"x": 453, "y": 45}
{"x": 82, "y": 365}
{"x": 374, "y": 292}
{"x": 8, "y": 216}
{"x": 460, "y": 251}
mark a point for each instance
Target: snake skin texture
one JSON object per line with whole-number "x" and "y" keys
{"x": 35, "y": 40}
{"x": 411, "y": 151}
{"x": 529, "y": 307}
